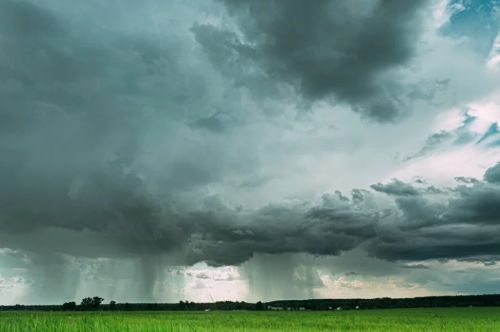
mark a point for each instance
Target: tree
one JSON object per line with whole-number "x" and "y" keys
{"x": 96, "y": 301}
{"x": 259, "y": 306}
{"x": 68, "y": 306}
{"x": 112, "y": 305}
{"x": 86, "y": 302}
{"x": 91, "y": 302}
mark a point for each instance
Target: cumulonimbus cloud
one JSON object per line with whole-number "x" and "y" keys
{"x": 78, "y": 108}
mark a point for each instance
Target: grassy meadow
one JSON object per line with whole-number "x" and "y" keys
{"x": 440, "y": 319}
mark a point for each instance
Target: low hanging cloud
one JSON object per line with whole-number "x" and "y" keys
{"x": 420, "y": 224}
{"x": 463, "y": 222}
{"x": 228, "y": 236}
{"x": 113, "y": 215}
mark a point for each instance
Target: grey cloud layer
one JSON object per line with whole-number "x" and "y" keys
{"x": 425, "y": 223}
{"x": 110, "y": 138}
{"x": 463, "y": 222}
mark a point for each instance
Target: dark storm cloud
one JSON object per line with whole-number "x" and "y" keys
{"x": 453, "y": 223}
{"x": 98, "y": 80}
{"x": 231, "y": 237}
{"x": 492, "y": 175}
{"x": 463, "y": 222}
{"x": 125, "y": 220}
{"x": 344, "y": 49}
{"x": 132, "y": 226}
{"x": 106, "y": 212}
{"x": 77, "y": 101}
{"x": 87, "y": 109}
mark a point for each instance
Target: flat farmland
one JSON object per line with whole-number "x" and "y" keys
{"x": 439, "y": 319}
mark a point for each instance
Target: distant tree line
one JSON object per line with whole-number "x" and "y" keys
{"x": 96, "y": 303}
{"x": 88, "y": 303}
{"x": 390, "y": 303}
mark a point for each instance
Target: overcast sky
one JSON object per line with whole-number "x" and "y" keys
{"x": 248, "y": 150}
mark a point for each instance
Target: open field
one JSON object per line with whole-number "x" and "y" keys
{"x": 440, "y": 319}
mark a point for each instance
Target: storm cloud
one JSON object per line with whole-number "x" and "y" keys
{"x": 419, "y": 224}
{"x": 122, "y": 221}
{"x": 345, "y": 49}
{"x": 171, "y": 135}
{"x": 463, "y": 222}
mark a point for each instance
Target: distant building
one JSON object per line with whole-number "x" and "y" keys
{"x": 274, "y": 308}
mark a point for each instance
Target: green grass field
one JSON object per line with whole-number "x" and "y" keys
{"x": 453, "y": 319}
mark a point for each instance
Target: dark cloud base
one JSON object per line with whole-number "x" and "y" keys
{"x": 113, "y": 215}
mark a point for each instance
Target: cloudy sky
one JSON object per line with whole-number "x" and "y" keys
{"x": 248, "y": 150}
